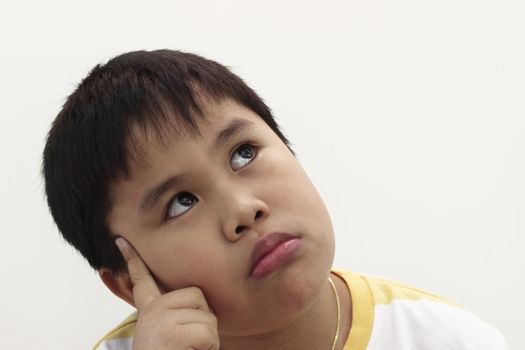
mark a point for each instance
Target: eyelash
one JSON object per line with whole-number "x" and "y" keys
{"x": 253, "y": 148}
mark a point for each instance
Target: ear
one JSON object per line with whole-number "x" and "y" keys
{"x": 118, "y": 283}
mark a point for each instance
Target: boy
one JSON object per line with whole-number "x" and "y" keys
{"x": 172, "y": 178}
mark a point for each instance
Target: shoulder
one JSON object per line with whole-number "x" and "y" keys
{"x": 385, "y": 292}
{"x": 120, "y": 337}
{"x": 408, "y": 318}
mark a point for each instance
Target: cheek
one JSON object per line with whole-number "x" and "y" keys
{"x": 290, "y": 185}
{"x": 295, "y": 195}
{"x": 202, "y": 267}
{"x": 175, "y": 260}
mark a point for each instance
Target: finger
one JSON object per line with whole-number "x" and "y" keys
{"x": 145, "y": 288}
{"x": 199, "y": 336}
{"x": 184, "y": 298}
{"x": 189, "y": 316}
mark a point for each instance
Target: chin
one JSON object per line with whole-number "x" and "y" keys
{"x": 302, "y": 288}
{"x": 297, "y": 290}
{"x": 291, "y": 293}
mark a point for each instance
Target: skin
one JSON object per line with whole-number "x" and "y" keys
{"x": 189, "y": 275}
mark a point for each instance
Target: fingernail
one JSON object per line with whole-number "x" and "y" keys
{"x": 121, "y": 244}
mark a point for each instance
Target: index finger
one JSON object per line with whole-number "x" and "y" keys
{"x": 145, "y": 289}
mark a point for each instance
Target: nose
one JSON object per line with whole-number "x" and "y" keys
{"x": 240, "y": 213}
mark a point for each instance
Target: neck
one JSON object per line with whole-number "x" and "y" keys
{"x": 313, "y": 330}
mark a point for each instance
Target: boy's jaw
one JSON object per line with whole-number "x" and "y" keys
{"x": 199, "y": 248}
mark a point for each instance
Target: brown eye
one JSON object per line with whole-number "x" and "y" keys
{"x": 242, "y": 156}
{"x": 180, "y": 204}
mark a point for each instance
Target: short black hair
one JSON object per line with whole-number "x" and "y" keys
{"x": 86, "y": 149}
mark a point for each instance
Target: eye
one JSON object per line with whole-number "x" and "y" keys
{"x": 242, "y": 156}
{"x": 180, "y": 204}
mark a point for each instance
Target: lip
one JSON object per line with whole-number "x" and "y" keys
{"x": 271, "y": 251}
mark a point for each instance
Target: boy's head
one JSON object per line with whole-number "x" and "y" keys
{"x": 176, "y": 154}
{"x": 88, "y": 147}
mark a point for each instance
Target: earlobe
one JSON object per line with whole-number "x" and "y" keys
{"x": 118, "y": 283}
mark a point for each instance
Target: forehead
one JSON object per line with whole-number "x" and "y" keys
{"x": 218, "y": 122}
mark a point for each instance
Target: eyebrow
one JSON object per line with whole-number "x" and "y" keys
{"x": 235, "y": 128}
{"x": 153, "y": 195}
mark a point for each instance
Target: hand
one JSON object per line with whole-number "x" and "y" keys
{"x": 177, "y": 320}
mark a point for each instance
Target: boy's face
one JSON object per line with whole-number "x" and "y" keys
{"x": 196, "y": 205}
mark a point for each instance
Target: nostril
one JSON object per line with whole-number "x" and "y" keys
{"x": 258, "y": 214}
{"x": 239, "y": 229}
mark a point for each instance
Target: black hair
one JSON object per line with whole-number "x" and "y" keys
{"x": 87, "y": 147}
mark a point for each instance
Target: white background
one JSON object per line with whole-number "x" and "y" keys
{"x": 408, "y": 115}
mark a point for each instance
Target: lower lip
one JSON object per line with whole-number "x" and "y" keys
{"x": 276, "y": 258}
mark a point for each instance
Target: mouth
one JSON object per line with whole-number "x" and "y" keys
{"x": 271, "y": 252}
